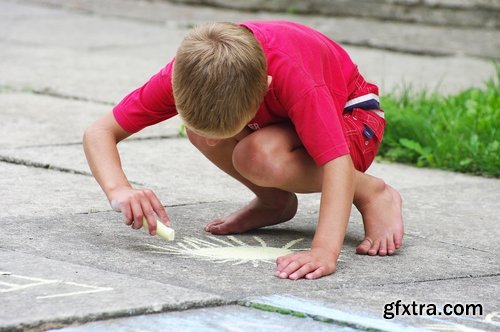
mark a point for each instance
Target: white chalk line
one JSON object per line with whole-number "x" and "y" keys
{"x": 13, "y": 287}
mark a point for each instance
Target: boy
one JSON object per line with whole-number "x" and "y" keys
{"x": 279, "y": 107}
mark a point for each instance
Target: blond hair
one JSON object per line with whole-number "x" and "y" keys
{"x": 219, "y": 78}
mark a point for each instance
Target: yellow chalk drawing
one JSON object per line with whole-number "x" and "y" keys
{"x": 18, "y": 283}
{"x": 231, "y": 250}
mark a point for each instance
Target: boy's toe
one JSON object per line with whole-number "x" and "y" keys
{"x": 364, "y": 246}
{"x": 391, "y": 248}
{"x": 212, "y": 225}
{"x": 382, "y": 251}
{"x": 374, "y": 248}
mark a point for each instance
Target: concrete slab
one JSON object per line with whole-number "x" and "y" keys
{"x": 172, "y": 163}
{"x": 404, "y": 177}
{"x": 463, "y": 13}
{"x": 169, "y": 166}
{"x": 35, "y": 192}
{"x": 395, "y": 72}
{"x": 58, "y": 71}
{"x": 166, "y": 165}
{"x": 463, "y": 214}
{"x": 34, "y": 120}
{"x": 40, "y": 293}
{"x": 228, "y": 318}
{"x": 60, "y": 46}
{"x": 58, "y": 60}
{"x": 483, "y": 292}
{"x": 386, "y": 34}
{"x": 199, "y": 261}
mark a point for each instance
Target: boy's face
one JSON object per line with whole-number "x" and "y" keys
{"x": 212, "y": 140}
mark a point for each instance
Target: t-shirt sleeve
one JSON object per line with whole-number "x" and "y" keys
{"x": 319, "y": 126}
{"x": 150, "y": 104}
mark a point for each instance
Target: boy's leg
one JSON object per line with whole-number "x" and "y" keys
{"x": 273, "y": 157}
{"x": 271, "y": 205}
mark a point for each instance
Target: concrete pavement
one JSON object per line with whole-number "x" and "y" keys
{"x": 68, "y": 261}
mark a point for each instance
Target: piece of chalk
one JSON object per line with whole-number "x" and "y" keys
{"x": 162, "y": 231}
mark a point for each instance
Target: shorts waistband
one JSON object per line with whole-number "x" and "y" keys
{"x": 368, "y": 102}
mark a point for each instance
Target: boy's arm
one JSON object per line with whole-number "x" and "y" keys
{"x": 99, "y": 143}
{"x": 336, "y": 202}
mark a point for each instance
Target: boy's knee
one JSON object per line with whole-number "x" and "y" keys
{"x": 257, "y": 161}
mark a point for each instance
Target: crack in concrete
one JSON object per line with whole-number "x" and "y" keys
{"x": 58, "y": 323}
{"x": 34, "y": 164}
{"x": 436, "y": 279}
{"x": 448, "y": 243}
{"x": 396, "y": 49}
{"x": 129, "y": 139}
{"x": 94, "y": 211}
{"x": 51, "y": 93}
{"x": 47, "y": 91}
{"x": 152, "y": 21}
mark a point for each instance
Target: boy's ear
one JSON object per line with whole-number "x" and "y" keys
{"x": 269, "y": 80}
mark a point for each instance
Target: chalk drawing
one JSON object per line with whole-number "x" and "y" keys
{"x": 450, "y": 327}
{"x": 14, "y": 282}
{"x": 493, "y": 318}
{"x": 443, "y": 325}
{"x": 6, "y": 287}
{"x": 90, "y": 289}
{"x": 230, "y": 250}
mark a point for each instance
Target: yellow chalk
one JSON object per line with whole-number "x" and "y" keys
{"x": 162, "y": 231}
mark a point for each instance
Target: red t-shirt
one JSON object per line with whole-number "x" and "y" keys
{"x": 313, "y": 77}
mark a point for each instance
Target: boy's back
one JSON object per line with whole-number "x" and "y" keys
{"x": 313, "y": 77}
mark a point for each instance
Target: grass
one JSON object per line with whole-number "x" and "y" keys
{"x": 459, "y": 133}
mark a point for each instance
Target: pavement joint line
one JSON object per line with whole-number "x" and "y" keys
{"x": 365, "y": 43}
{"x": 395, "y": 49}
{"x": 302, "y": 308}
{"x": 448, "y": 243}
{"x": 412, "y": 235}
{"x": 92, "y": 211}
{"x": 129, "y": 139}
{"x": 102, "y": 316}
{"x": 489, "y": 275}
{"x": 92, "y": 12}
{"x": 285, "y": 311}
{"x": 23, "y": 162}
{"x": 155, "y": 137}
{"x": 52, "y": 145}
{"x": 34, "y": 164}
{"x": 49, "y": 92}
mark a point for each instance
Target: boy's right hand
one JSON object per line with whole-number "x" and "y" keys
{"x": 136, "y": 204}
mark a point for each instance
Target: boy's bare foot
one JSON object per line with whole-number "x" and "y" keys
{"x": 255, "y": 215}
{"x": 383, "y": 222}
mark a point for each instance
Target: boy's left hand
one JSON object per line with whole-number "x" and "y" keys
{"x": 311, "y": 264}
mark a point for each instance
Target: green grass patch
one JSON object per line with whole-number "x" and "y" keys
{"x": 298, "y": 314}
{"x": 270, "y": 308}
{"x": 459, "y": 133}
